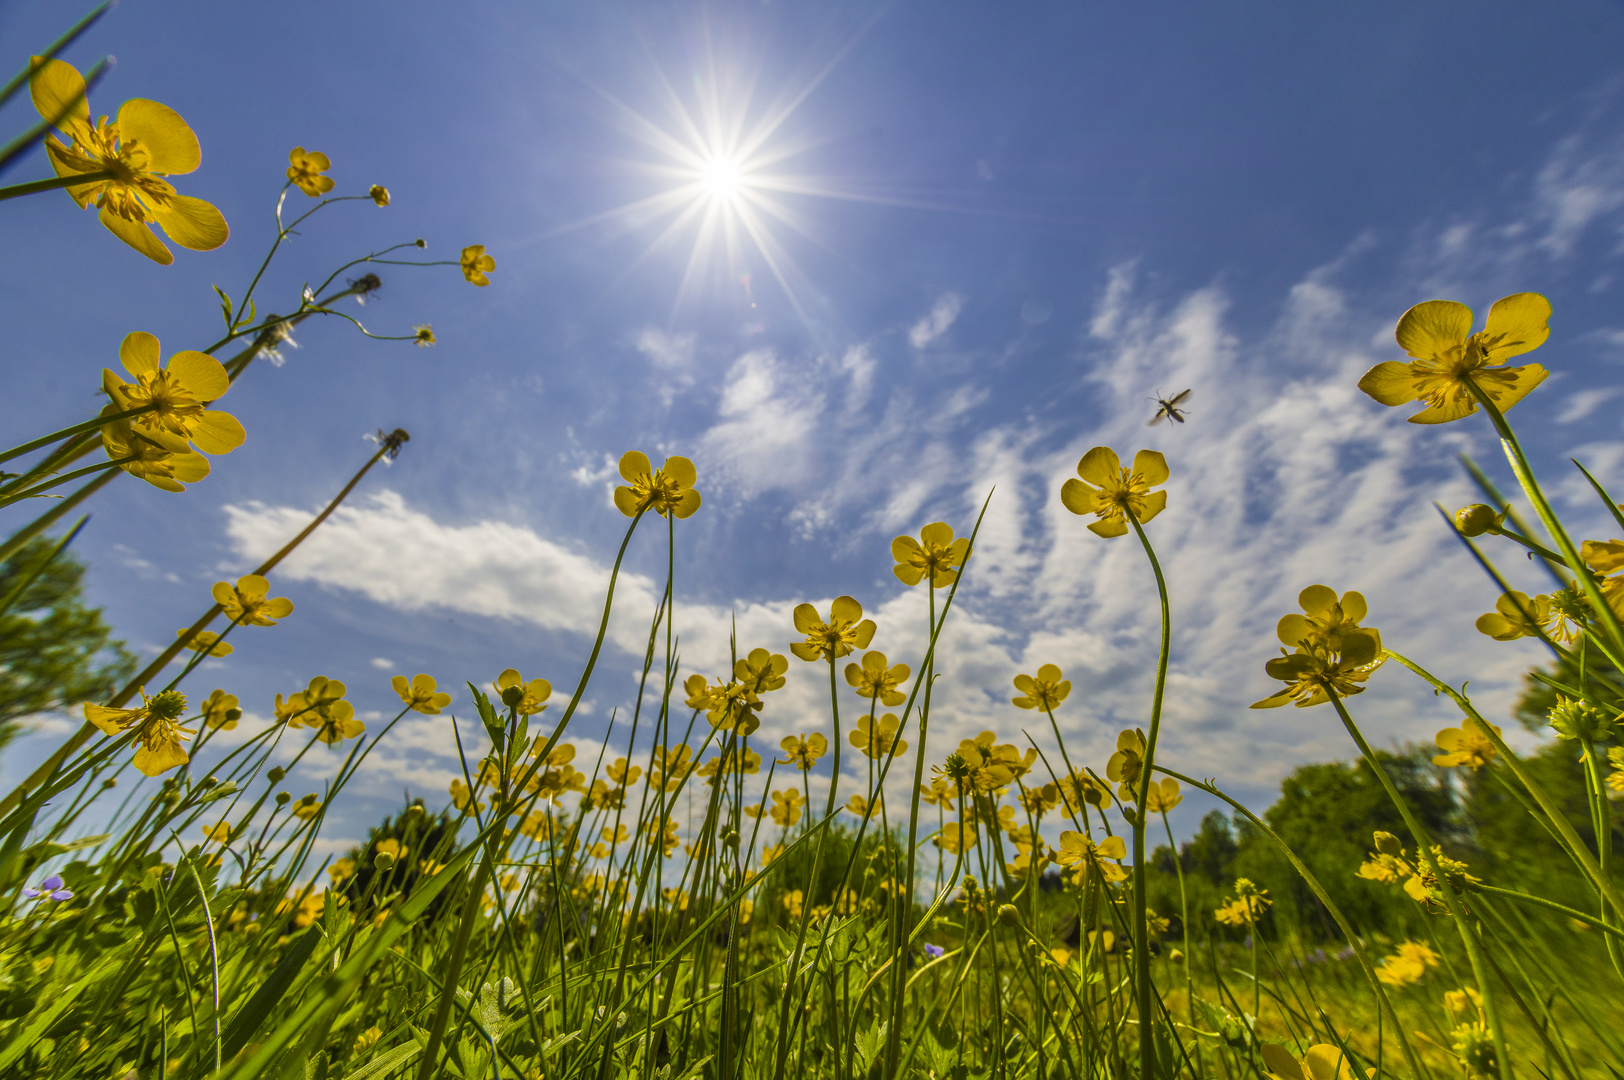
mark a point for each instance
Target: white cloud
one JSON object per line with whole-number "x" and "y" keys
{"x": 934, "y": 325}
{"x": 668, "y": 350}
{"x": 1585, "y": 402}
{"x": 769, "y": 413}
{"x": 383, "y": 663}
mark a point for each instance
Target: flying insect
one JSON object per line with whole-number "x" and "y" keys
{"x": 1169, "y": 408}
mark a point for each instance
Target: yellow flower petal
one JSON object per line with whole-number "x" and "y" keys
{"x": 193, "y": 223}
{"x": 845, "y": 609}
{"x": 806, "y": 619}
{"x": 137, "y": 236}
{"x": 200, "y": 373}
{"x": 141, "y": 354}
{"x": 633, "y": 464}
{"x": 1155, "y": 503}
{"x": 1390, "y": 382}
{"x": 1113, "y": 847}
{"x": 1281, "y": 1063}
{"x": 687, "y": 504}
{"x": 1516, "y": 324}
{"x": 681, "y": 470}
{"x": 161, "y": 759}
{"x": 1433, "y": 328}
{"x": 56, "y": 85}
{"x": 1152, "y": 466}
{"x": 939, "y": 533}
{"x": 1079, "y": 498}
{"x": 170, "y": 144}
{"x": 217, "y": 433}
{"x": 1108, "y": 529}
{"x": 1100, "y": 466}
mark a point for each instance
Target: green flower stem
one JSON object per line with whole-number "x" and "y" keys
{"x": 1602, "y": 818}
{"x": 1184, "y": 917}
{"x": 51, "y": 517}
{"x": 1551, "y": 905}
{"x": 39, "y": 489}
{"x": 1423, "y": 844}
{"x": 74, "y": 429}
{"x": 1553, "y": 525}
{"x": 1564, "y": 828}
{"x": 33, "y": 187}
{"x": 1141, "y": 928}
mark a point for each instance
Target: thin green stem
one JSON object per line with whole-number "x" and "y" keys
{"x": 35, "y": 186}
{"x": 74, "y": 429}
{"x": 1141, "y": 926}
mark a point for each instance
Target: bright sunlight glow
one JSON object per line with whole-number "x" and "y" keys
{"x": 722, "y": 178}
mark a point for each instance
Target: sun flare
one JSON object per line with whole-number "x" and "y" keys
{"x": 722, "y": 178}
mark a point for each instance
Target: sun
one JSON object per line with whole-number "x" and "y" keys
{"x": 722, "y": 178}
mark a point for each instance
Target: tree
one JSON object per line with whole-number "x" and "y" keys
{"x": 54, "y": 650}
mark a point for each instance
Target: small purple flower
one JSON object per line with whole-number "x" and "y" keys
{"x": 1346, "y": 954}
{"x": 49, "y": 889}
{"x": 935, "y": 952}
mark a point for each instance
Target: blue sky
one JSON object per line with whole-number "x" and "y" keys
{"x": 1006, "y": 231}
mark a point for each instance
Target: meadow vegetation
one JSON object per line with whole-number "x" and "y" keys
{"x": 703, "y": 905}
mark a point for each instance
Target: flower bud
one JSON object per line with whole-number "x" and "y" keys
{"x": 1175, "y": 956}
{"x": 283, "y": 798}
{"x": 109, "y": 784}
{"x": 380, "y": 194}
{"x": 731, "y": 839}
{"x": 1477, "y": 519}
{"x": 422, "y": 243}
{"x": 207, "y": 782}
{"x": 512, "y": 695}
{"x": 1009, "y": 915}
{"x": 383, "y": 861}
{"x": 1388, "y": 844}
{"x": 1579, "y": 720}
{"x": 276, "y": 775}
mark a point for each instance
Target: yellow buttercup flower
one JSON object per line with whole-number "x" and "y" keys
{"x": 476, "y": 264}
{"x": 1331, "y": 647}
{"x": 1163, "y": 796}
{"x": 321, "y": 706}
{"x": 248, "y": 603}
{"x": 158, "y": 735}
{"x": 1323, "y": 1061}
{"x": 220, "y": 832}
{"x": 623, "y": 772}
{"x": 858, "y": 805}
{"x": 305, "y": 809}
{"x": 423, "y": 335}
{"x": 206, "y": 642}
{"x": 380, "y": 194}
{"x": 873, "y": 679}
{"x": 146, "y": 460}
{"x": 221, "y": 710}
{"x": 1516, "y": 615}
{"x": 875, "y": 738}
{"x": 938, "y": 793}
{"x": 1044, "y": 691}
{"x": 463, "y": 799}
{"x": 956, "y": 837}
{"x": 761, "y": 671}
{"x": 988, "y": 765}
{"x": 419, "y": 694}
{"x": 844, "y": 631}
{"x": 179, "y": 395}
{"x": 1127, "y": 765}
{"x": 667, "y": 491}
{"x": 803, "y": 753}
{"x": 1438, "y": 333}
{"x": 1245, "y": 908}
{"x": 933, "y": 555}
{"x": 1079, "y": 851}
{"x": 1407, "y": 966}
{"x": 527, "y": 697}
{"x": 787, "y": 806}
{"x": 305, "y": 170}
{"x": 1466, "y": 745}
{"x": 147, "y": 142}
{"x": 1615, "y": 778}
{"x": 1111, "y": 493}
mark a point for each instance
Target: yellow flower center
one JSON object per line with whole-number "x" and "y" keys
{"x": 133, "y": 192}
{"x": 176, "y": 407}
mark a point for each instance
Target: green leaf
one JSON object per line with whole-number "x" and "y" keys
{"x": 253, "y": 1014}
{"x": 54, "y": 1005}
{"x": 225, "y": 307}
{"x": 385, "y": 1063}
